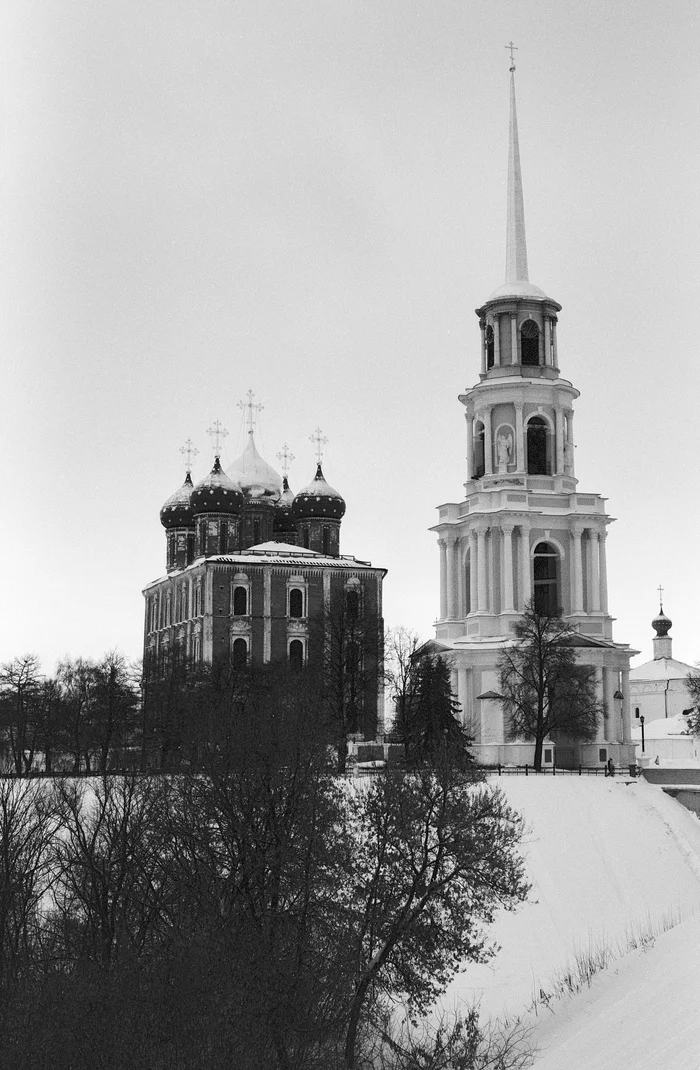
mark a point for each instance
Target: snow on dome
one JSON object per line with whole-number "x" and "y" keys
{"x": 255, "y": 476}
{"x": 177, "y": 511}
{"x": 216, "y": 493}
{"x": 319, "y": 499}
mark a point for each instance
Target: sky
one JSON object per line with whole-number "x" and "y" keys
{"x": 308, "y": 200}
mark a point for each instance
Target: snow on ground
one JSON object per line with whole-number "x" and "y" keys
{"x": 641, "y": 1012}
{"x": 605, "y": 857}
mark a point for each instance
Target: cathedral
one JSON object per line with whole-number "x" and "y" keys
{"x": 254, "y": 575}
{"x": 524, "y": 530}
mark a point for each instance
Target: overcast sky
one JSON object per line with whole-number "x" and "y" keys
{"x": 307, "y": 199}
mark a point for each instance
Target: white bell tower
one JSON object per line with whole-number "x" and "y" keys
{"x": 524, "y": 530}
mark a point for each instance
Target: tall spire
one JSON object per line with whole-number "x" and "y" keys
{"x": 516, "y": 247}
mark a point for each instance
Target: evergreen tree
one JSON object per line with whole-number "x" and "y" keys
{"x": 428, "y": 724}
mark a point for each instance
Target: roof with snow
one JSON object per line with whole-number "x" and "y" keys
{"x": 661, "y": 669}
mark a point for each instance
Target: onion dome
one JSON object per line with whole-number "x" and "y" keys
{"x": 318, "y": 500}
{"x": 216, "y": 493}
{"x": 255, "y": 477}
{"x": 661, "y": 624}
{"x": 284, "y": 520}
{"x": 177, "y": 511}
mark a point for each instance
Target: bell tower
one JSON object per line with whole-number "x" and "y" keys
{"x": 524, "y": 531}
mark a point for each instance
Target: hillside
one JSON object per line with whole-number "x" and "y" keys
{"x": 605, "y": 858}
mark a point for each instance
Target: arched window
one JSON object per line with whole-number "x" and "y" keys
{"x": 240, "y": 601}
{"x": 256, "y": 532}
{"x": 479, "y": 463}
{"x": 223, "y": 537}
{"x": 305, "y": 539}
{"x": 190, "y": 549}
{"x": 489, "y": 347}
{"x": 240, "y": 653}
{"x": 296, "y": 602}
{"x": 537, "y": 434}
{"x": 546, "y": 578}
{"x": 326, "y": 540}
{"x": 529, "y": 343}
{"x": 352, "y": 601}
{"x": 296, "y": 654}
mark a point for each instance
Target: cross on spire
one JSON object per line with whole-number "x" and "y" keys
{"x": 661, "y": 602}
{"x": 189, "y": 451}
{"x": 513, "y": 48}
{"x": 252, "y": 410}
{"x": 319, "y": 442}
{"x": 285, "y": 457}
{"x": 218, "y": 433}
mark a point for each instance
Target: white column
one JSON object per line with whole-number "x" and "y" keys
{"x": 451, "y": 586}
{"x": 507, "y": 570}
{"x": 488, "y": 448}
{"x": 524, "y": 566}
{"x": 603, "y": 573}
{"x": 555, "y": 354}
{"x": 595, "y": 572}
{"x": 513, "y": 339}
{"x": 547, "y": 340}
{"x": 496, "y": 341}
{"x": 576, "y": 572}
{"x": 559, "y": 435}
{"x": 482, "y": 600}
{"x": 611, "y": 706}
{"x": 600, "y": 695}
{"x": 470, "y": 445}
{"x": 443, "y": 578}
{"x": 473, "y": 573}
{"x": 519, "y": 437}
{"x": 626, "y": 707}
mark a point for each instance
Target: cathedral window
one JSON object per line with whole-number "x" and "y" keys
{"x": 479, "y": 453}
{"x": 546, "y": 579}
{"x": 537, "y": 443}
{"x": 240, "y": 654}
{"x": 489, "y": 347}
{"x": 529, "y": 343}
{"x": 223, "y": 537}
{"x": 326, "y": 541}
{"x": 198, "y": 600}
{"x": 256, "y": 532}
{"x": 296, "y": 654}
{"x": 296, "y": 602}
{"x": 240, "y": 601}
{"x": 190, "y": 549}
{"x": 352, "y": 601}
{"x": 305, "y": 539}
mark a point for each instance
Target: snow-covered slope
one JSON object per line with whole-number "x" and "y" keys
{"x": 643, "y": 1011}
{"x": 605, "y": 857}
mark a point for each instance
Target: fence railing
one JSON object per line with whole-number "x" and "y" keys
{"x": 371, "y": 769}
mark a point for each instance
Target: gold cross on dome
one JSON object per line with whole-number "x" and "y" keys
{"x": 189, "y": 451}
{"x": 252, "y": 409}
{"x": 319, "y": 442}
{"x": 513, "y": 48}
{"x": 661, "y": 601}
{"x": 218, "y": 433}
{"x": 285, "y": 457}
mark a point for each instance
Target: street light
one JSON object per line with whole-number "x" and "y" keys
{"x": 641, "y": 721}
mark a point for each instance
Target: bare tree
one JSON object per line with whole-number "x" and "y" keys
{"x": 545, "y": 690}
{"x": 436, "y": 855}
{"x": 20, "y": 696}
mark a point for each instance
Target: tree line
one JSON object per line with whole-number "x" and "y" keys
{"x": 263, "y": 913}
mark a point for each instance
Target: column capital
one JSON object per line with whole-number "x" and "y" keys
{"x": 451, "y": 538}
{"x": 507, "y": 528}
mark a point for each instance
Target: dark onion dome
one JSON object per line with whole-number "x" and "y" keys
{"x": 216, "y": 493}
{"x": 284, "y": 520}
{"x": 661, "y": 624}
{"x": 177, "y": 511}
{"x": 318, "y": 500}
{"x": 255, "y": 477}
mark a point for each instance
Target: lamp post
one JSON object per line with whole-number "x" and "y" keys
{"x": 641, "y": 721}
